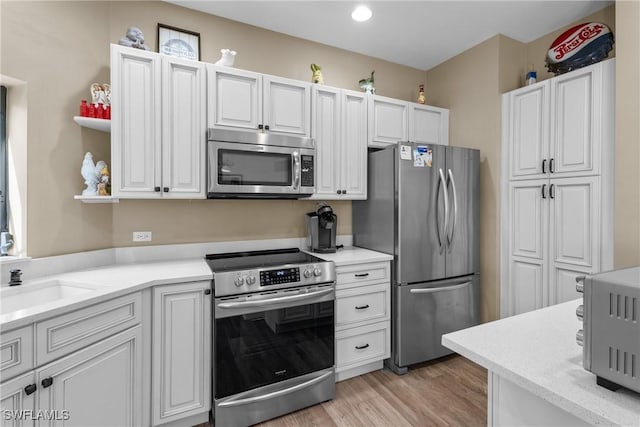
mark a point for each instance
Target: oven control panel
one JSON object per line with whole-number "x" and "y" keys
{"x": 279, "y": 276}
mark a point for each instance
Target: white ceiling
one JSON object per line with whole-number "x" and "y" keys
{"x": 419, "y": 34}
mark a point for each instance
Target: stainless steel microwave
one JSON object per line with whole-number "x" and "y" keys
{"x": 247, "y": 164}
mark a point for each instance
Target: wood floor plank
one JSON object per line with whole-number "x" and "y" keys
{"x": 451, "y": 391}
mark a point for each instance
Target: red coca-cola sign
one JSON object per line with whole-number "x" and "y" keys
{"x": 579, "y": 46}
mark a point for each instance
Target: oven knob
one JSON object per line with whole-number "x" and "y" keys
{"x": 239, "y": 281}
{"x": 251, "y": 280}
{"x": 317, "y": 272}
{"x": 580, "y": 312}
{"x": 307, "y": 273}
{"x": 580, "y": 337}
{"x": 580, "y": 284}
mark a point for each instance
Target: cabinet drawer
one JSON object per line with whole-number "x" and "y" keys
{"x": 362, "y": 345}
{"x": 362, "y": 304}
{"x": 373, "y": 272}
{"x": 70, "y": 332}
{"x": 16, "y": 352}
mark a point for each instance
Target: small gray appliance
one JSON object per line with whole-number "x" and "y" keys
{"x": 610, "y": 334}
{"x": 321, "y": 229}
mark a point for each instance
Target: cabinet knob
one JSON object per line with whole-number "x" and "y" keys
{"x": 165, "y": 189}
{"x": 362, "y": 307}
{"x": 551, "y": 165}
{"x": 260, "y": 127}
{"x": 344, "y": 191}
{"x": 551, "y": 191}
{"x": 362, "y": 347}
{"x": 207, "y": 291}
{"x": 361, "y": 275}
{"x": 266, "y": 127}
{"x": 339, "y": 192}
{"x": 30, "y": 389}
{"x": 47, "y": 382}
{"x": 156, "y": 189}
{"x": 544, "y": 164}
{"x": 543, "y": 188}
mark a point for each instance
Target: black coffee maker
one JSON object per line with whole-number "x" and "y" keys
{"x": 321, "y": 229}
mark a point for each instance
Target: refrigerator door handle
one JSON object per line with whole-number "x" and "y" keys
{"x": 443, "y": 236}
{"x": 455, "y": 210}
{"x": 444, "y": 288}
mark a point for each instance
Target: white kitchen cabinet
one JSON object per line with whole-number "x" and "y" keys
{"x": 560, "y": 127}
{"x": 340, "y": 131}
{"x": 239, "y": 99}
{"x": 559, "y": 224}
{"x": 100, "y": 385}
{"x": 17, "y": 395}
{"x": 158, "y": 125}
{"x": 392, "y": 120}
{"x": 363, "y": 313}
{"x": 181, "y": 351}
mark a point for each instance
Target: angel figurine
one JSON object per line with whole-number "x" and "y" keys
{"x": 98, "y": 95}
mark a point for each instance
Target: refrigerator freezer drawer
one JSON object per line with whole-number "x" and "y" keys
{"x": 426, "y": 311}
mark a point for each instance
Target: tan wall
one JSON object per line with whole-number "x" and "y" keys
{"x": 627, "y": 177}
{"x": 60, "y": 48}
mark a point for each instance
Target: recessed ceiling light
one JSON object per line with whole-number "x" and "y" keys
{"x": 361, "y": 14}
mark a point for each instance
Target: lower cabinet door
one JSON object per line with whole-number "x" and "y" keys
{"x": 181, "y": 351}
{"x": 100, "y": 385}
{"x": 527, "y": 278}
{"x": 16, "y": 401}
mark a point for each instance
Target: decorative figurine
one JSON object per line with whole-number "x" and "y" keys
{"x": 90, "y": 175}
{"x": 317, "y": 74}
{"x": 98, "y": 95}
{"x": 367, "y": 84}
{"x": 227, "y": 57}
{"x": 104, "y": 186}
{"x": 421, "y": 98}
{"x": 134, "y": 38}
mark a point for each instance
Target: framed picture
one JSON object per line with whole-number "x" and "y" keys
{"x": 177, "y": 42}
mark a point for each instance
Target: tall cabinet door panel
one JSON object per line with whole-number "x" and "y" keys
{"x": 109, "y": 372}
{"x": 428, "y": 125}
{"x": 181, "y": 351}
{"x": 574, "y": 212}
{"x": 562, "y": 283}
{"x": 574, "y": 140}
{"x": 529, "y": 131}
{"x": 527, "y": 282}
{"x": 184, "y": 125}
{"x": 14, "y": 398}
{"x": 388, "y": 119}
{"x": 287, "y": 106}
{"x": 354, "y": 145}
{"x": 326, "y": 132}
{"x": 529, "y": 218}
{"x": 135, "y": 122}
{"x": 235, "y": 98}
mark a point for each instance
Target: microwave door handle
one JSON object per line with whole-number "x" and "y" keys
{"x": 273, "y": 301}
{"x": 296, "y": 170}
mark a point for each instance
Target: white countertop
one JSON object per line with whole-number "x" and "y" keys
{"x": 353, "y": 255}
{"x": 120, "y": 279}
{"x": 538, "y": 352}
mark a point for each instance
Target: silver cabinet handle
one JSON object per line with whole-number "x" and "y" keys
{"x": 272, "y": 301}
{"x": 444, "y": 288}
{"x": 296, "y": 169}
{"x": 443, "y": 183}
{"x": 276, "y": 393}
{"x": 455, "y": 210}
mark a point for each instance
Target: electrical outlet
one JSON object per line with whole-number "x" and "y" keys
{"x": 141, "y": 236}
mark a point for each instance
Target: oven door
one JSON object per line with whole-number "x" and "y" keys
{"x": 265, "y": 338}
{"x": 236, "y": 170}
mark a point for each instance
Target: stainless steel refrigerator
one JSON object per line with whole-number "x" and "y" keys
{"x": 423, "y": 208}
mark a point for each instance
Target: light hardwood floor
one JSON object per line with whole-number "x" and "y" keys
{"x": 451, "y": 391}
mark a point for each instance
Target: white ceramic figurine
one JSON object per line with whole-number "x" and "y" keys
{"x": 227, "y": 58}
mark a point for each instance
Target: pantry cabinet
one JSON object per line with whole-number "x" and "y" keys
{"x": 240, "y": 99}
{"x": 558, "y": 222}
{"x": 340, "y": 132}
{"x": 181, "y": 351}
{"x": 158, "y": 125}
{"x": 392, "y": 120}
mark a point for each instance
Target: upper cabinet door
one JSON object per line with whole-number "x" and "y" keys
{"x": 575, "y": 141}
{"x": 183, "y": 128}
{"x": 326, "y": 132}
{"x": 529, "y": 131}
{"x": 388, "y": 119}
{"x": 287, "y": 106}
{"x": 135, "y": 122}
{"x": 235, "y": 98}
{"x": 428, "y": 125}
{"x": 354, "y": 145}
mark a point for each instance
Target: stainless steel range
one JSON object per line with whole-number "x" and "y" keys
{"x": 273, "y": 334}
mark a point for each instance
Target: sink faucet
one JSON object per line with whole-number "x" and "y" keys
{"x": 15, "y": 277}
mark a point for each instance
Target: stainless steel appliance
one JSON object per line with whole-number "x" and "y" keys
{"x": 610, "y": 334}
{"x": 321, "y": 229}
{"x": 273, "y": 346}
{"x": 259, "y": 165}
{"x": 423, "y": 208}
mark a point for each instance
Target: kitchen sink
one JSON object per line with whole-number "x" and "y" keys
{"x": 32, "y": 295}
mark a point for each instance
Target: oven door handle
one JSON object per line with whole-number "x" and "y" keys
{"x": 273, "y": 301}
{"x": 278, "y": 393}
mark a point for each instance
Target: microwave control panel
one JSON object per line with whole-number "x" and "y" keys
{"x": 307, "y": 171}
